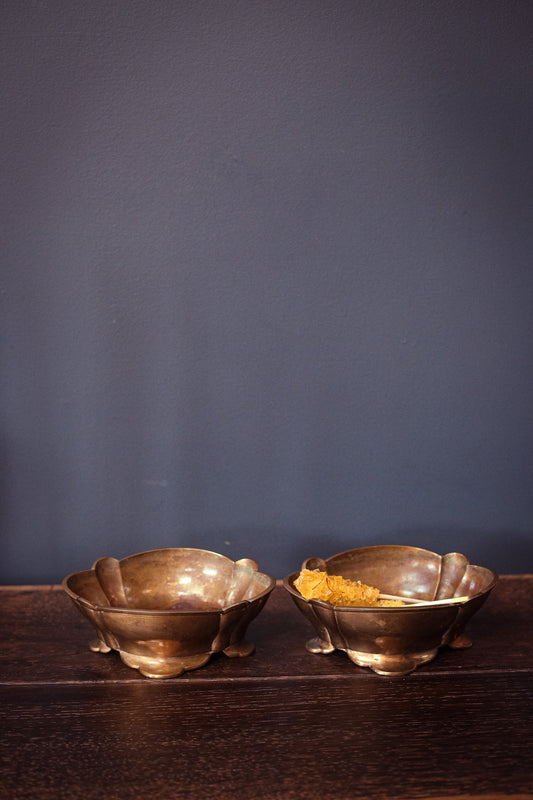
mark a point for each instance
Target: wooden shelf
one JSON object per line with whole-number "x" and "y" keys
{"x": 281, "y": 723}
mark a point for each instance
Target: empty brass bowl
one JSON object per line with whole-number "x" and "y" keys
{"x": 167, "y": 611}
{"x": 396, "y": 640}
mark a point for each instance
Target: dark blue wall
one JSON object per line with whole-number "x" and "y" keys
{"x": 267, "y": 280}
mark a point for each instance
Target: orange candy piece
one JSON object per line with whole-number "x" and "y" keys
{"x": 317, "y": 585}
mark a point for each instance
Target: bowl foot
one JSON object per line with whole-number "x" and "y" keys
{"x": 391, "y": 665}
{"x": 317, "y": 645}
{"x": 152, "y": 667}
{"x": 239, "y": 649}
{"x": 460, "y": 642}
{"x": 99, "y": 646}
{"x": 164, "y": 667}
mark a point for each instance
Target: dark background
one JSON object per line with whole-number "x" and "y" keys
{"x": 266, "y": 279}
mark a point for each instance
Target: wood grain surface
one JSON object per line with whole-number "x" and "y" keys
{"x": 281, "y": 723}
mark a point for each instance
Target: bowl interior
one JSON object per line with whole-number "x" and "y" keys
{"x": 410, "y": 571}
{"x": 177, "y": 579}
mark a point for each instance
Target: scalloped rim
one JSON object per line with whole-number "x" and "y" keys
{"x": 162, "y": 611}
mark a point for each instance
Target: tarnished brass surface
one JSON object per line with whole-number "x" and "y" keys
{"x": 166, "y": 611}
{"x": 396, "y": 640}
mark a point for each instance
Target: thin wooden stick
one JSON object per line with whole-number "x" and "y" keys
{"x": 416, "y": 601}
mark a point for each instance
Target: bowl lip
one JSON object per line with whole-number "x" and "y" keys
{"x": 288, "y": 584}
{"x": 105, "y": 609}
{"x": 402, "y": 547}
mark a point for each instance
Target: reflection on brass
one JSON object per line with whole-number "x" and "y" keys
{"x": 396, "y": 640}
{"x": 167, "y": 611}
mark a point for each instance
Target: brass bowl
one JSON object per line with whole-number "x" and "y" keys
{"x": 167, "y": 611}
{"x": 396, "y": 640}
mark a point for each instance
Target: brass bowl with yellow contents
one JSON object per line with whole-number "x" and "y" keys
{"x": 441, "y": 594}
{"x": 167, "y": 611}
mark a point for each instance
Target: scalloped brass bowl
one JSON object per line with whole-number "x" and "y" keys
{"x": 396, "y": 640}
{"x": 167, "y": 611}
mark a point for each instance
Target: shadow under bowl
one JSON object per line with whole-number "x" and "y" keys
{"x": 176, "y": 607}
{"x": 396, "y": 640}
